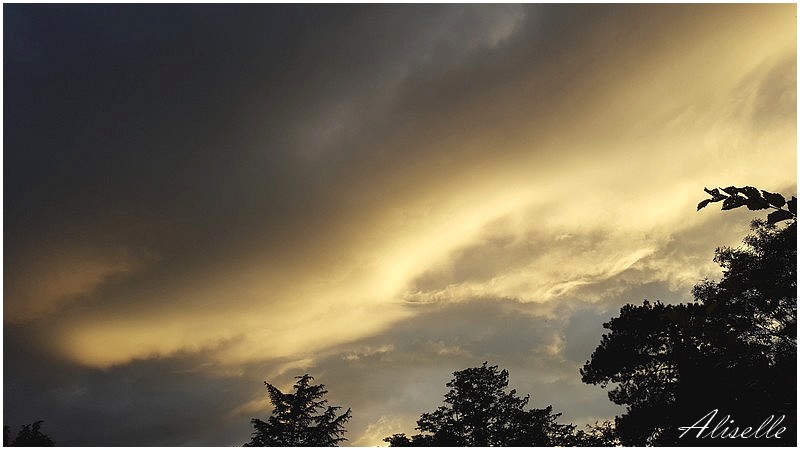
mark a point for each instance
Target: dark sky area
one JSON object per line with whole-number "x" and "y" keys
{"x": 198, "y": 198}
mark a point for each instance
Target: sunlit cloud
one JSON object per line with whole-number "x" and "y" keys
{"x": 618, "y": 212}
{"x": 376, "y": 431}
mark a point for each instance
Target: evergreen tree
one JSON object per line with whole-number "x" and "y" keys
{"x": 300, "y": 418}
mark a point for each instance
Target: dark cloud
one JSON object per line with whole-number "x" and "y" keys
{"x": 155, "y": 402}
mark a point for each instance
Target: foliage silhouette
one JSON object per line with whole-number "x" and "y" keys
{"x": 734, "y": 348}
{"x": 478, "y": 412}
{"x": 300, "y": 418}
{"x": 734, "y": 197}
{"x": 29, "y": 436}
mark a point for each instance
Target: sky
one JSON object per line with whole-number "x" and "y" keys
{"x": 201, "y": 198}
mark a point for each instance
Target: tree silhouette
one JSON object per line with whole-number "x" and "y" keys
{"x": 733, "y": 349}
{"x": 478, "y": 412}
{"x": 29, "y": 436}
{"x": 597, "y": 435}
{"x": 300, "y": 418}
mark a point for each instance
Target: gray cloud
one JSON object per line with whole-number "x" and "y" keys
{"x": 401, "y": 373}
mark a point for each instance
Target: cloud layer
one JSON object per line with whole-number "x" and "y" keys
{"x": 379, "y": 195}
